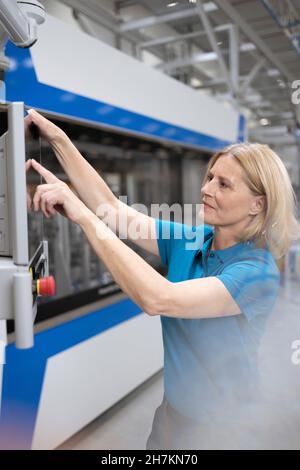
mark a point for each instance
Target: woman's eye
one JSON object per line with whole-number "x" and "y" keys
{"x": 223, "y": 185}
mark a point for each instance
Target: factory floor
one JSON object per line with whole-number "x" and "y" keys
{"x": 128, "y": 424}
{"x": 125, "y": 426}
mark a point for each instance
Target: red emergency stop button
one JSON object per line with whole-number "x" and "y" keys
{"x": 46, "y": 286}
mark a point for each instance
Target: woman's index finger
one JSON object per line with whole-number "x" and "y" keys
{"x": 46, "y": 174}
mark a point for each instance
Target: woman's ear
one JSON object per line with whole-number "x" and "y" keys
{"x": 258, "y": 205}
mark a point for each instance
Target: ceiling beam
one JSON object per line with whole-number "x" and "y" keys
{"x": 252, "y": 75}
{"x": 95, "y": 12}
{"x": 253, "y": 36}
{"x": 155, "y": 20}
{"x": 99, "y": 15}
{"x": 195, "y": 58}
{"x": 214, "y": 44}
{"x": 181, "y": 37}
{"x": 234, "y": 57}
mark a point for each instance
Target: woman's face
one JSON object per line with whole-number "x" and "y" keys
{"x": 226, "y": 191}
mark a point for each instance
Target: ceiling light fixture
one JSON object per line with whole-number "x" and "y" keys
{"x": 281, "y": 84}
{"x": 247, "y": 47}
{"x": 195, "y": 82}
{"x": 273, "y": 73}
{"x": 264, "y": 122}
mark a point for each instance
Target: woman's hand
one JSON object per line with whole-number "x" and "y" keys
{"x": 46, "y": 128}
{"x": 56, "y": 196}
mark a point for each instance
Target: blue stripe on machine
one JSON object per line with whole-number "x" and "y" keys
{"x": 24, "y": 370}
{"x": 22, "y": 85}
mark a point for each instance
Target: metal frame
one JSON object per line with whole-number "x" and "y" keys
{"x": 17, "y": 299}
{"x": 133, "y": 31}
{"x": 234, "y": 57}
{"x": 214, "y": 44}
{"x": 253, "y": 36}
{"x": 17, "y": 178}
{"x": 252, "y": 75}
{"x": 156, "y": 20}
{"x": 180, "y": 37}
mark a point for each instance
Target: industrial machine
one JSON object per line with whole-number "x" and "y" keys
{"x": 23, "y": 271}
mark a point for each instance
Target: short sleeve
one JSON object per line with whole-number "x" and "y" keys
{"x": 253, "y": 283}
{"x": 173, "y": 237}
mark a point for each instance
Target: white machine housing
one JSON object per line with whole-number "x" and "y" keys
{"x": 17, "y": 271}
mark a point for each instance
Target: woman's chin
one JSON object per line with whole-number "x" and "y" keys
{"x": 205, "y": 216}
{"x": 207, "y": 219}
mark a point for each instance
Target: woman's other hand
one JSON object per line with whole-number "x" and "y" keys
{"x": 46, "y": 128}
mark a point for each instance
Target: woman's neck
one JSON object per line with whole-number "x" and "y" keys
{"x": 221, "y": 241}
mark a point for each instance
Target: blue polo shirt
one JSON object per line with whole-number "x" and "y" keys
{"x": 210, "y": 364}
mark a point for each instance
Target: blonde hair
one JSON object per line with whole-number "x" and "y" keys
{"x": 276, "y": 227}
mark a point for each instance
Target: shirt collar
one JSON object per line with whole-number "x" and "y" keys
{"x": 227, "y": 253}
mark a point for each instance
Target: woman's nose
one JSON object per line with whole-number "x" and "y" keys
{"x": 207, "y": 188}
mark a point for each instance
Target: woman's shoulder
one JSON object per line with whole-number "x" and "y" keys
{"x": 258, "y": 258}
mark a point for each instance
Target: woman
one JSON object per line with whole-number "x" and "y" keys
{"x": 217, "y": 296}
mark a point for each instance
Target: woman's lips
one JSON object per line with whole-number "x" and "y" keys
{"x": 207, "y": 205}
